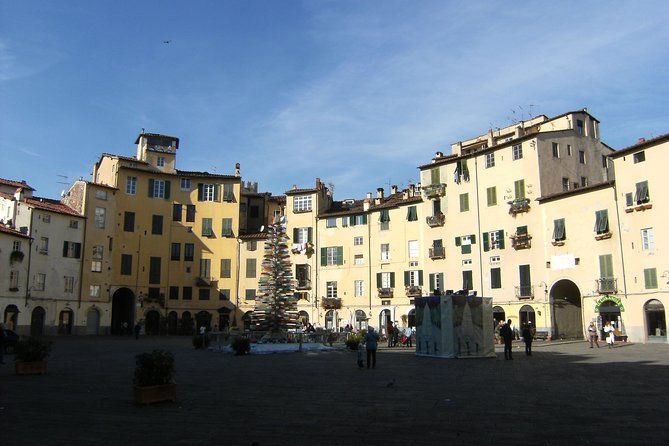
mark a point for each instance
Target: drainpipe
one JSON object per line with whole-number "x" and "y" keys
{"x": 81, "y": 268}
{"x": 478, "y": 223}
{"x": 30, "y": 252}
{"x": 369, "y": 263}
{"x": 239, "y": 244}
{"x": 620, "y": 239}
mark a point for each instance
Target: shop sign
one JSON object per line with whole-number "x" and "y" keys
{"x": 614, "y": 299}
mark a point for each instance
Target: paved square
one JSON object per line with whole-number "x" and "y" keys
{"x": 562, "y": 394}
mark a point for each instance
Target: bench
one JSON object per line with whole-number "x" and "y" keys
{"x": 543, "y": 335}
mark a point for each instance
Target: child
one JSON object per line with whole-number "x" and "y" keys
{"x": 360, "y": 355}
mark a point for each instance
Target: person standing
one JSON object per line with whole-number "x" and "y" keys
{"x": 528, "y": 337}
{"x": 507, "y": 336}
{"x": 592, "y": 334}
{"x": 408, "y": 333}
{"x": 610, "y": 337}
{"x": 371, "y": 343}
{"x": 389, "y": 333}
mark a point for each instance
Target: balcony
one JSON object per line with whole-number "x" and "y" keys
{"x": 521, "y": 241}
{"x": 607, "y": 285}
{"x": 437, "y": 252}
{"x": 300, "y": 248}
{"x": 303, "y": 284}
{"x": 603, "y": 235}
{"x": 435, "y": 190}
{"x": 519, "y": 205}
{"x": 385, "y": 293}
{"x": 435, "y": 220}
{"x": 414, "y": 291}
{"x": 331, "y": 303}
{"x": 525, "y": 292}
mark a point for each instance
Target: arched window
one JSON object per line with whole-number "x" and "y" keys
{"x": 656, "y": 326}
{"x": 360, "y": 320}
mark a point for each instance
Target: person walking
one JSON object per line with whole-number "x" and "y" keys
{"x": 528, "y": 337}
{"x": 507, "y": 336}
{"x": 138, "y": 328}
{"x": 408, "y": 333}
{"x": 592, "y": 335}
{"x": 371, "y": 343}
{"x": 610, "y": 337}
{"x": 389, "y": 333}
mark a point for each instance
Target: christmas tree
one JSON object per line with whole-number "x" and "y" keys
{"x": 276, "y": 306}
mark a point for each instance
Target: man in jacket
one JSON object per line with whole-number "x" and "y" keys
{"x": 507, "y": 336}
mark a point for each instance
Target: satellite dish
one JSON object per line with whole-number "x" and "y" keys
{"x": 283, "y": 219}
{"x": 262, "y": 228}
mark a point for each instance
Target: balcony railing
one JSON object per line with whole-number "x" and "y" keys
{"x": 414, "y": 291}
{"x": 519, "y": 205}
{"x": 607, "y": 285}
{"x": 521, "y": 241}
{"x": 525, "y": 292}
{"x": 385, "y": 293}
{"x": 331, "y": 303}
{"x": 437, "y": 252}
{"x": 435, "y": 190}
{"x": 299, "y": 248}
{"x": 204, "y": 281}
{"x": 603, "y": 235}
{"x": 435, "y": 220}
{"x": 303, "y": 284}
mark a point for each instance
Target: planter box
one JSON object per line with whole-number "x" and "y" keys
{"x": 30, "y": 368}
{"x": 155, "y": 394}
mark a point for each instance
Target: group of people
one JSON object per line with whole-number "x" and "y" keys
{"x": 609, "y": 332}
{"x": 396, "y": 335}
{"x": 507, "y": 334}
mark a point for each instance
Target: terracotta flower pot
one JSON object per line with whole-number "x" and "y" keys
{"x": 155, "y": 394}
{"x": 30, "y": 368}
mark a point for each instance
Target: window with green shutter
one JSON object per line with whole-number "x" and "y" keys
{"x": 412, "y": 213}
{"x": 650, "y": 278}
{"x": 464, "y": 202}
{"x": 629, "y": 199}
{"x": 228, "y": 192}
{"x": 525, "y": 278}
{"x": 434, "y": 175}
{"x": 602, "y": 221}
{"x": 606, "y": 266}
{"x": 495, "y": 278}
{"x": 207, "y": 227}
{"x": 559, "y": 231}
{"x": 226, "y": 270}
{"x": 384, "y": 216}
{"x": 227, "y": 227}
{"x": 491, "y": 194}
{"x": 467, "y": 282}
{"x": 519, "y": 187}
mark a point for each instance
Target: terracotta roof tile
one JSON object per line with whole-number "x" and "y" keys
{"x": 14, "y": 183}
{"x": 6, "y": 230}
{"x": 195, "y": 173}
{"x": 48, "y": 204}
{"x": 640, "y": 145}
{"x": 301, "y": 191}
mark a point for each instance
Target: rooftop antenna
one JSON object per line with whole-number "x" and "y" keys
{"x": 63, "y": 179}
{"x": 530, "y": 107}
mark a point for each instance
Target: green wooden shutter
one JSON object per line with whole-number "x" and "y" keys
{"x": 340, "y": 255}
{"x": 629, "y": 199}
{"x": 392, "y": 280}
{"x": 200, "y": 191}
{"x": 295, "y": 235}
{"x": 406, "y": 278}
{"x": 77, "y": 250}
{"x": 344, "y": 222}
{"x": 519, "y": 187}
{"x": 168, "y": 186}
{"x": 473, "y": 238}
{"x": 364, "y": 219}
{"x": 310, "y": 235}
{"x": 379, "y": 281}
{"x": 420, "y": 277}
{"x": 525, "y": 278}
{"x": 650, "y": 278}
{"x": 324, "y": 256}
{"x": 486, "y": 242}
{"x": 434, "y": 175}
{"x": 501, "y": 238}
{"x": 431, "y": 280}
{"x": 65, "y": 249}
{"x": 217, "y": 192}
{"x": 352, "y": 220}
{"x": 150, "y": 191}
{"x": 606, "y": 266}
{"x": 458, "y": 241}
{"x": 442, "y": 284}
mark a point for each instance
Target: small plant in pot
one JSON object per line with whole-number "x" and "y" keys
{"x": 154, "y": 377}
{"x": 30, "y": 356}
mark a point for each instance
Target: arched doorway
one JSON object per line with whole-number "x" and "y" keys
{"x": 565, "y": 299}
{"x": 172, "y": 322}
{"x": 123, "y": 312}
{"x": 92, "y": 322}
{"x": 525, "y": 315}
{"x": 360, "y": 320}
{"x": 65, "y": 321}
{"x": 203, "y": 319}
{"x": 609, "y": 311}
{"x": 656, "y": 325}
{"x": 329, "y": 320}
{"x": 11, "y": 317}
{"x": 246, "y": 320}
{"x": 412, "y": 318}
{"x": 186, "y": 323}
{"x": 303, "y": 317}
{"x": 223, "y": 319}
{"x": 384, "y": 318}
{"x": 152, "y": 322}
{"x": 37, "y": 321}
{"x": 498, "y": 314}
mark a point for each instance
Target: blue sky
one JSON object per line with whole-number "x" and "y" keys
{"x": 357, "y": 93}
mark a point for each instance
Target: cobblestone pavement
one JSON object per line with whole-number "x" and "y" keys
{"x": 563, "y": 394}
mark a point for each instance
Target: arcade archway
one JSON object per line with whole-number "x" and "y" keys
{"x": 123, "y": 311}
{"x": 565, "y": 299}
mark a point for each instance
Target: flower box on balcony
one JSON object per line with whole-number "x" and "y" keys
{"x": 521, "y": 241}
{"x": 558, "y": 242}
{"x": 603, "y": 236}
{"x": 331, "y": 303}
{"x": 607, "y": 285}
{"x": 385, "y": 293}
{"x": 629, "y": 210}
{"x": 642, "y": 207}
{"x": 519, "y": 205}
{"x": 435, "y": 190}
{"x": 435, "y": 220}
{"x": 438, "y": 252}
{"x": 414, "y": 291}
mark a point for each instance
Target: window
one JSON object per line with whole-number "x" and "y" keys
{"x": 40, "y": 281}
{"x": 357, "y": 220}
{"x": 639, "y": 157}
{"x": 175, "y": 251}
{"x": 493, "y": 240}
{"x": 581, "y": 156}
{"x": 517, "y": 151}
{"x": 189, "y": 252}
{"x": 98, "y": 251}
{"x": 205, "y": 268}
{"x": 227, "y": 227}
{"x": 251, "y": 245}
{"x": 647, "y": 240}
{"x": 185, "y": 184}
{"x": 332, "y": 256}
{"x": 385, "y": 280}
{"x": 176, "y": 212}
{"x": 302, "y": 203}
{"x": 412, "y": 214}
{"x": 302, "y": 235}
{"x": 467, "y": 281}
{"x": 160, "y": 161}
{"x": 250, "y": 295}
{"x": 100, "y": 217}
{"x": 226, "y": 268}
{"x": 224, "y": 294}
{"x": 525, "y": 280}
{"x": 579, "y": 127}
{"x": 357, "y": 241}
{"x": 331, "y": 290}
{"x": 358, "y": 288}
{"x": 413, "y": 249}
{"x": 436, "y": 281}
{"x": 344, "y": 222}
{"x": 129, "y": 221}
{"x": 207, "y": 192}
{"x": 46, "y": 218}
{"x": 650, "y": 278}
{"x": 187, "y": 293}
{"x": 74, "y": 224}
{"x": 495, "y": 278}
{"x": 44, "y": 245}
{"x": 519, "y": 189}
{"x": 190, "y": 212}
{"x": 157, "y": 188}
{"x": 277, "y": 214}
{"x": 174, "y": 293}
{"x": 131, "y": 185}
{"x": 602, "y": 221}
{"x": 565, "y": 184}
{"x": 72, "y": 250}
{"x": 434, "y": 176}
{"x": 494, "y": 260}
{"x": 250, "y": 268}
{"x": 465, "y": 243}
{"x": 629, "y": 199}
{"x": 126, "y": 264}
{"x": 641, "y": 195}
{"x": 559, "y": 231}
{"x": 154, "y": 270}
{"x": 157, "y": 225}
{"x": 229, "y": 195}
{"x": 461, "y": 171}
{"x": 94, "y": 290}
{"x": 207, "y": 227}
{"x": 13, "y": 280}
{"x": 16, "y": 246}
{"x": 436, "y": 208}
{"x": 489, "y": 160}
{"x": 584, "y": 181}
{"x": 466, "y": 262}
{"x": 556, "y": 150}
{"x": 101, "y": 194}
{"x": 568, "y": 149}
{"x": 491, "y": 195}
{"x": 331, "y": 223}
{"x": 385, "y": 251}
{"x": 359, "y": 259}
{"x": 464, "y": 202}
{"x": 204, "y": 293}
{"x": 413, "y": 278}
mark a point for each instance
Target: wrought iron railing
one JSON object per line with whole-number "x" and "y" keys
{"x": 385, "y": 293}
{"x": 435, "y": 190}
{"x": 607, "y": 285}
{"x": 525, "y": 292}
{"x": 519, "y": 205}
{"x": 435, "y": 220}
{"x": 437, "y": 252}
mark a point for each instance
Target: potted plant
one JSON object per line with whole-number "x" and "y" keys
{"x": 154, "y": 377}
{"x": 15, "y": 256}
{"x": 30, "y": 356}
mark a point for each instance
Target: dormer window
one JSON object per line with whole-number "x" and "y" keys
{"x": 302, "y": 203}
{"x": 160, "y": 162}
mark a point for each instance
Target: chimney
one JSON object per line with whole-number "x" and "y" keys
{"x": 367, "y": 202}
{"x": 238, "y": 172}
{"x": 641, "y": 140}
{"x": 439, "y": 154}
{"x": 294, "y": 187}
{"x": 369, "y": 195}
{"x": 18, "y": 194}
{"x": 319, "y": 185}
{"x": 379, "y": 192}
{"x": 412, "y": 190}
{"x": 393, "y": 189}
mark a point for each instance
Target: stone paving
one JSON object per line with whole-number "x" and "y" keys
{"x": 563, "y": 394}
